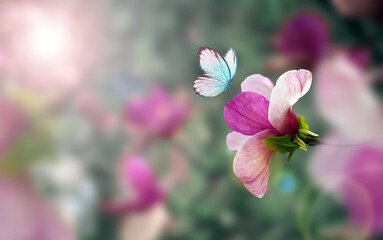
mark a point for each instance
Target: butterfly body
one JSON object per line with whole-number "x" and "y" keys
{"x": 218, "y": 71}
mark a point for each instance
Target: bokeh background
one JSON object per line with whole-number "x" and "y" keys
{"x": 102, "y": 136}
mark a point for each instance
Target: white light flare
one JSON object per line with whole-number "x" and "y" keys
{"x": 47, "y": 37}
{"x": 49, "y": 47}
{"x": 44, "y": 47}
{"x": 48, "y": 41}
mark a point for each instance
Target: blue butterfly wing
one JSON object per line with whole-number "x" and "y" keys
{"x": 212, "y": 62}
{"x": 232, "y": 62}
{"x": 209, "y": 85}
{"x": 217, "y": 76}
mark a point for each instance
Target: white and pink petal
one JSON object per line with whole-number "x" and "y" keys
{"x": 251, "y": 163}
{"x": 290, "y": 86}
{"x": 235, "y": 140}
{"x": 258, "y": 84}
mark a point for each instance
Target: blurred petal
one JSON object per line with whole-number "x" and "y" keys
{"x": 24, "y": 215}
{"x": 235, "y": 140}
{"x": 258, "y": 84}
{"x": 247, "y": 113}
{"x": 365, "y": 168}
{"x": 360, "y": 57}
{"x": 355, "y": 174}
{"x": 146, "y": 225}
{"x": 328, "y": 163}
{"x": 344, "y": 98}
{"x": 251, "y": 164}
{"x": 357, "y": 9}
{"x": 290, "y": 86}
{"x": 140, "y": 177}
{"x": 157, "y": 114}
{"x": 12, "y": 123}
{"x": 305, "y": 36}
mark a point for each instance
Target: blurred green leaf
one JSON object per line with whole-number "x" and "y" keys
{"x": 30, "y": 147}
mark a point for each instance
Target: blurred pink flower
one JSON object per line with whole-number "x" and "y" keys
{"x": 301, "y": 42}
{"x": 158, "y": 114}
{"x": 139, "y": 178}
{"x": 12, "y": 122}
{"x": 345, "y": 100}
{"x": 261, "y": 111}
{"x": 357, "y": 8}
{"x": 360, "y": 57}
{"x": 25, "y": 216}
{"x": 365, "y": 168}
{"x": 144, "y": 215}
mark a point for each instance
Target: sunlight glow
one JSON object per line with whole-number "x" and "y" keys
{"x": 48, "y": 41}
{"x": 48, "y": 37}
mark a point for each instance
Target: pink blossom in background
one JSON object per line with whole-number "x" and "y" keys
{"x": 360, "y": 57}
{"x": 357, "y": 8}
{"x": 344, "y": 99}
{"x": 158, "y": 114}
{"x": 300, "y": 42}
{"x": 25, "y": 216}
{"x": 260, "y": 111}
{"x": 355, "y": 175}
{"x": 144, "y": 215}
{"x": 12, "y": 122}
{"x": 365, "y": 168}
{"x": 138, "y": 177}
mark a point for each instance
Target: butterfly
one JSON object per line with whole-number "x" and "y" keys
{"x": 218, "y": 71}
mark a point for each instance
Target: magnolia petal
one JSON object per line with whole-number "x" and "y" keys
{"x": 258, "y": 84}
{"x": 258, "y": 187}
{"x": 290, "y": 86}
{"x": 235, "y": 140}
{"x": 251, "y": 164}
{"x": 247, "y": 113}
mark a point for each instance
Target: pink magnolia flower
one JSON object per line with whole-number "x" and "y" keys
{"x": 158, "y": 114}
{"x": 260, "y": 111}
{"x": 345, "y": 100}
{"x": 139, "y": 178}
{"x": 301, "y": 42}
